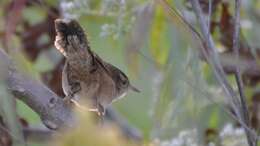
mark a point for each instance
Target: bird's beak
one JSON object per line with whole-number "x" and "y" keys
{"x": 134, "y": 88}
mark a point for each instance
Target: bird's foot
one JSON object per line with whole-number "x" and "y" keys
{"x": 101, "y": 110}
{"x": 67, "y": 99}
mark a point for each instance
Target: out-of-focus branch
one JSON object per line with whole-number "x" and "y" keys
{"x": 221, "y": 63}
{"x": 5, "y": 137}
{"x": 42, "y": 134}
{"x": 248, "y": 66}
{"x": 213, "y": 55}
{"x": 38, "y": 134}
{"x": 215, "y": 62}
{"x": 243, "y": 105}
{"x": 129, "y": 131}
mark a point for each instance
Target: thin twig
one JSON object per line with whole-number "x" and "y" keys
{"x": 213, "y": 58}
{"x": 227, "y": 63}
{"x": 252, "y": 141}
{"x": 213, "y": 55}
{"x": 236, "y": 48}
{"x": 216, "y": 66}
{"x": 226, "y": 60}
{"x": 174, "y": 12}
{"x": 209, "y": 15}
{"x": 248, "y": 66}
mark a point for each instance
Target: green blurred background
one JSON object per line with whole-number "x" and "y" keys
{"x": 157, "y": 52}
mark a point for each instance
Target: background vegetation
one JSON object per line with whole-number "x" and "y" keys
{"x": 181, "y": 101}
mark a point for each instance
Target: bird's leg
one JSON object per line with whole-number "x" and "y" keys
{"x": 74, "y": 88}
{"x": 98, "y": 108}
{"x": 101, "y": 110}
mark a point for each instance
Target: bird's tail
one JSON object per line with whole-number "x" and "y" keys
{"x": 70, "y": 38}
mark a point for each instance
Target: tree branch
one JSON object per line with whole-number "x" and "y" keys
{"x": 51, "y": 109}
{"x": 37, "y": 134}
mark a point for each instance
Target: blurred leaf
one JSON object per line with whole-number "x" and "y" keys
{"x": 211, "y": 116}
{"x": 185, "y": 29}
{"x": 34, "y": 14}
{"x": 7, "y": 105}
{"x": 138, "y": 36}
{"x": 12, "y": 19}
{"x": 164, "y": 99}
{"x": 23, "y": 64}
{"x": 159, "y": 44}
{"x": 88, "y": 133}
{"x": 43, "y": 64}
{"x": 173, "y": 92}
{"x": 27, "y": 113}
{"x": 214, "y": 119}
{"x": 52, "y": 2}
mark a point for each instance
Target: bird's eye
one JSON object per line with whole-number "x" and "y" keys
{"x": 123, "y": 79}
{"x": 124, "y": 82}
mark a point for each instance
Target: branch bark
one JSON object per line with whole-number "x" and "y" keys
{"x": 51, "y": 109}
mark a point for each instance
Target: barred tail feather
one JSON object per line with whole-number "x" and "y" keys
{"x": 65, "y": 30}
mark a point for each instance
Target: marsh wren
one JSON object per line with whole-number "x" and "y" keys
{"x": 85, "y": 75}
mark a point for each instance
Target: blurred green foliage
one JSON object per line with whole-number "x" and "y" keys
{"x": 177, "y": 89}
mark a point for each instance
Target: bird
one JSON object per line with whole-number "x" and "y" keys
{"x": 86, "y": 76}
